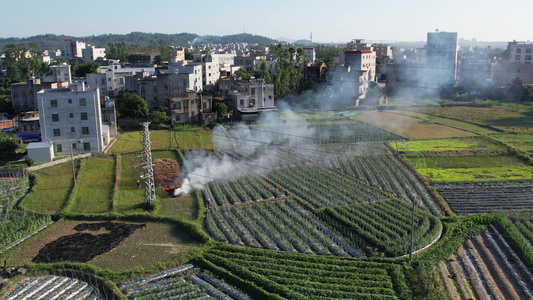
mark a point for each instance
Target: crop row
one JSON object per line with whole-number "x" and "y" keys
{"x": 182, "y": 282}
{"x": 245, "y": 189}
{"x": 464, "y": 201}
{"x": 323, "y": 187}
{"x": 11, "y": 190}
{"x": 298, "y": 276}
{"x": 53, "y": 287}
{"x": 17, "y": 224}
{"x": 320, "y": 152}
{"x": 386, "y": 225}
{"x": 518, "y": 228}
{"x": 389, "y": 174}
{"x": 491, "y": 267}
{"x": 277, "y": 225}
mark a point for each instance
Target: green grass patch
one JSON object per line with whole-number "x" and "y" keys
{"x": 410, "y": 127}
{"x": 522, "y": 141}
{"x": 95, "y": 184}
{"x": 52, "y": 190}
{"x": 457, "y": 144}
{"x": 127, "y": 142}
{"x": 130, "y": 197}
{"x": 471, "y": 168}
{"x": 183, "y": 207}
{"x": 192, "y": 139}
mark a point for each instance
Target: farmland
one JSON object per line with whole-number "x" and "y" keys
{"x": 316, "y": 209}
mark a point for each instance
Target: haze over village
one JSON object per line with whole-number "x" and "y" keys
{"x": 322, "y": 152}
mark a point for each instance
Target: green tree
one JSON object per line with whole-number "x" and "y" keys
{"x": 221, "y": 109}
{"x": 86, "y": 68}
{"x": 264, "y": 72}
{"x": 243, "y": 74}
{"x": 131, "y": 105}
{"x": 159, "y": 115}
{"x": 8, "y": 146}
{"x": 22, "y": 63}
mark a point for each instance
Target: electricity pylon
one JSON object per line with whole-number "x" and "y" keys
{"x": 147, "y": 170}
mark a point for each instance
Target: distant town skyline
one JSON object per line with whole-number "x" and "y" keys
{"x": 335, "y": 21}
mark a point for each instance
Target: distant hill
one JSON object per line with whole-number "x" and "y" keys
{"x": 52, "y": 41}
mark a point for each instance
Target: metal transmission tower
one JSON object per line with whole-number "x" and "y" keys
{"x": 147, "y": 174}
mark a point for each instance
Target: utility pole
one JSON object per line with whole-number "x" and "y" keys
{"x": 147, "y": 170}
{"x": 73, "y": 169}
{"x": 412, "y": 229}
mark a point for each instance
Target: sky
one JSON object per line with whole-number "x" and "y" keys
{"x": 328, "y": 21}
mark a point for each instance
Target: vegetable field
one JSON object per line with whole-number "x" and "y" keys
{"x": 385, "y": 225}
{"x": 314, "y": 183}
{"x": 465, "y": 201}
{"x": 486, "y": 267}
{"x": 184, "y": 282}
{"x": 387, "y": 173}
{"x": 54, "y": 287}
{"x": 277, "y": 225}
{"x": 300, "y": 276}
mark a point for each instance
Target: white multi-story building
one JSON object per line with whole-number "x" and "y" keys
{"x": 91, "y": 53}
{"x": 71, "y": 118}
{"x": 60, "y": 73}
{"x": 73, "y": 49}
{"x": 358, "y": 45}
{"x": 362, "y": 62}
{"x": 109, "y": 83}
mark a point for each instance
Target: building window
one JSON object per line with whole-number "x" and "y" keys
{"x": 253, "y": 91}
{"x": 71, "y": 115}
{"x": 83, "y": 115}
{"x": 69, "y": 101}
{"x": 57, "y": 132}
{"x": 53, "y": 103}
{"x": 83, "y": 102}
{"x": 87, "y": 146}
{"x": 74, "y": 146}
{"x": 242, "y": 102}
{"x": 59, "y": 148}
{"x": 177, "y": 118}
{"x": 55, "y": 117}
{"x": 529, "y": 50}
{"x": 204, "y": 105}
{"x": 528, "y": 57}
{"x": 85, "y": 130}
{"x": 518, "y": 50}
{"x": 517, "y": 57}
{"x": 72, "y": 129}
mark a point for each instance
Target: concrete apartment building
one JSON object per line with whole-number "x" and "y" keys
{"x": 60, "y": 73}
{"x": 361, "y": 63}
{"x": 441, "y": 59}
{"x": 91, "y": 53}
{"x": 24, "y": 94}
{"x": 249, "y": 98}
{"x": 192, "y": 107}
{"x": 383, "y": 51}
{"x": 251, "y": 64}
{"x": 519, "y": 53}
{"x": 70, "y": 118}
{"x": 179, "y": 80}
{"x": 73, "y": 49}
{"x": 108, "y": 82}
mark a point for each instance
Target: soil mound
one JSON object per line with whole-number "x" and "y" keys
{"x": 84, "y": 246}
{"x": 166, "y": 172}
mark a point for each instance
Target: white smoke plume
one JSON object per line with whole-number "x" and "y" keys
{"x": 251, "y": 140}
